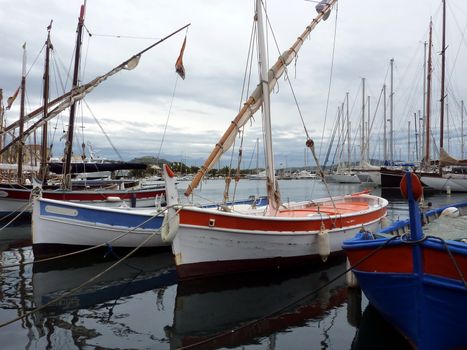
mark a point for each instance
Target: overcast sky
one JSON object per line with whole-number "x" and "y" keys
{"x": 133, "y": 106}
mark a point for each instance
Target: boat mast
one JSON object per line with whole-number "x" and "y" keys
{"x": 348, "y": 128}
{"x": 254, "y": 101}
{"x": 443, "y": 68}
{"x": 391, "y": 115}
{"x": 368, "y": 133}
{"x": 428, "y": 98}
{"x": 362, "y": 129}
{"x": 44, "y": 146}
{"x": 21, "y": 118}
{"x": 424, "y": 105}
{"x": 271, "y": 182}
{"x": 385, "y": 151}
{"x": 71, "y": 123}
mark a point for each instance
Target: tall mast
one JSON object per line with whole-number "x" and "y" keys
{"x": 391, "y": 114}
{"x": 428, "y": 99}
{"x": 368, "y": 133}
{"x": 271, "y": 184}
{"x": 416, "y": 136}
{"x": 385, "y": 151}
{"x": 71, "y": 123}
{"x": 21, "y": 118}
{"x": 362, "y": 130}
{"x": 348, "y": 128}
{"x": 424, "y": 105}
{"x": 443, "y": 68}
{"x": 44, "y": 146}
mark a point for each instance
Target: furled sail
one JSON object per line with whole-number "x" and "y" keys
{"x": 446, "y": 159}
{"x": 78, "y": 94}
{"x": 255, "y": 100}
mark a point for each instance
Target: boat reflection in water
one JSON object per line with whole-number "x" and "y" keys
{"x": 134, "y": 275}
{"x": 374, "y": 332}
{"x": 234, "y": 310}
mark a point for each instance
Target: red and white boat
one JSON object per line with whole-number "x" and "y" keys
{"x": 17, "y": 198}
{"x": 209, "y": 241}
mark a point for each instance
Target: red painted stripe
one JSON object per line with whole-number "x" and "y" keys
{"x": 389, "y": 259}
{"x": 438, "y": 263}
{"x": 261, "y": 223}
{"x": 82, "y": 195}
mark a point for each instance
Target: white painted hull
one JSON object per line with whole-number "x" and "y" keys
{"x": 195, "y": 244}
{"x": 375, "y": 177}
{"x": 456, "y": 184}
{"x": 209, "y": 241}
{"x": 72, "y": 224}
{"x": 343, "y": 178}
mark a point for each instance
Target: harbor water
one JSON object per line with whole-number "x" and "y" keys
{"x": 140, "y": 304}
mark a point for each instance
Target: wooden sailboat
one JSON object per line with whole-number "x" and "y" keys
{"x": 15, "y": 197}
{"x": 218, "y": 241}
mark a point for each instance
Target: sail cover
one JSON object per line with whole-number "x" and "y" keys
{"x": 57, "y": 168}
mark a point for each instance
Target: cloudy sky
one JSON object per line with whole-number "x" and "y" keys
{"x": 134, "y": 106}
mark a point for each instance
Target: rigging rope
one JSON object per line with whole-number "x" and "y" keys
{"x": 276, "y": 312}
{"x": 330, "y": 78}
{"x": 103, "y": 131}
{"x": 84, "y": 284}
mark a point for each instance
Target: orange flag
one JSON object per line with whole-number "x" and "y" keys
{"x": 179, "y": 64}
{"x": 11, "y": 99}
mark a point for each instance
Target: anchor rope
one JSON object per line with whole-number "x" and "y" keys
{"x": 85, "y": 283}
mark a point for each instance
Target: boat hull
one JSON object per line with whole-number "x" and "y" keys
{"x": 416, "y": 285}
{"x": 343, "y": 178}
{"x": 453, "y": 183}
{"x": 60, "y": 226}
{"x": 432, "y": 307}
{"x": 18, "y": 199}
{"x": 215, "y": 242}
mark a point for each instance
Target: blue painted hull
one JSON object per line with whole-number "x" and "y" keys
{"x": 417, "y": 285}
{"x": 430, "y": 313}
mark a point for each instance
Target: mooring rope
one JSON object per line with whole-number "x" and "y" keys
{"x": 85, "y": 283}
{"x": 251, "y": 323}
{"x": 20, "y": 213}
{"x": 107, "y": 243}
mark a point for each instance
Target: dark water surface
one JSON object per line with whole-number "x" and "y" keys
{"x": 140, "y": 305}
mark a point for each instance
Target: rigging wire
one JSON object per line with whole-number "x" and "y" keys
{"x": 168, "y": 117}
{"x": 103, "y": 131}
{"x": 330, "y": 79}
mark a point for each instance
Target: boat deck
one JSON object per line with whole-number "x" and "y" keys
{"x": 327, "y": 209}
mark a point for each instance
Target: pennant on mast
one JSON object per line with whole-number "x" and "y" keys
{"x": 179, "y": 68}
{"x": 11, "y": 99}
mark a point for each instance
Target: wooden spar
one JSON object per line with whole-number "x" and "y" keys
{"x": 428, "y": 98}
{"x": 71, "y": 121}
{"x": 443, "y": 68}
{"x": 254, "y": 101}
{"x": 77, "y": 94}
{"x": 44, "y": 141}
{"x": 34, "y": 113}
{"x": 21, "y": 119}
